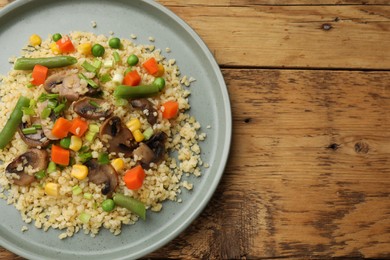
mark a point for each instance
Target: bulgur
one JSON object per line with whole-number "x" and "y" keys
{"x": 163, "y": 180}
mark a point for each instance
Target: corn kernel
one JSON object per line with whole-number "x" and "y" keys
{"x": 160, "y": 70}
{"x": 118, "y": 164}
{"x": 134, "y": 124}
{"x": 79, "y": 171}
{"x": 85, "y": 48}
{"x": 51, "y": 189}
{"x": 35, "y": 40}
{"x": 138, "y": 136}
{"x": 75, "y": 143}
{"x": 54, "y": 48}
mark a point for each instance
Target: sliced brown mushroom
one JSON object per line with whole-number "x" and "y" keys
{"x": 33, "y": 140}
{"x": 117, "y": 136}
{"x": 92, "y": 108}
{"x": 152, "y": 151}
{"x": 34, "y": 160}
{"x": 102, "y": 174}
{"x": 147, "y": 108}
{"x": 69, "y": 85}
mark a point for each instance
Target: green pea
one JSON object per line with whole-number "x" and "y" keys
{"x": 56, "y": 37}
{"x": 98, "y": 50}
{"x": 132, "y": 60}
{"x": 108, "y": 205}
{"x": 159, "y": 82}
{"x": 114, "y": 43}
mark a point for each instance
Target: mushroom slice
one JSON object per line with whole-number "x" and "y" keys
{"x": 117, "y": 136}
{"x": 152, "y": 151}
{"x": 147, "y": 108}
{"x": 32, "y": 160}
{"x": 92, "y": 108}
{"x": 33, "y": 140}
{"x": 102, "y": 174}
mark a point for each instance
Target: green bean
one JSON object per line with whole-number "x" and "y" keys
{"x": 142, "y": 91}
{"x": 131, "y": 204}
{"x": 50, "y": 62}
{"x": 13, "y": 122}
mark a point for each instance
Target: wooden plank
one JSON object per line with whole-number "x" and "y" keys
{"x": 308, "y": 172}
{"x": 294, "y": 36}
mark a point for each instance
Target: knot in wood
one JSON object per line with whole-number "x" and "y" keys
{"x": 362, "y": 147}
{"x": 326, "y": 26}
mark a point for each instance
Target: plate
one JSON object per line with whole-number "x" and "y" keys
{"x": 209, "y": 104}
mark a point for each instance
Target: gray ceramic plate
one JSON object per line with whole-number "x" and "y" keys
{"x": 209, "y": 102}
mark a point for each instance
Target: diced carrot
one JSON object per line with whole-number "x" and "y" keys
{"x": 170, "y": 109}
{"x": 39, "y": 74}
{"x": 65, "y": 44}
{"x": 60, "y": 155}
{"x": 79, "y": 127}
{"x": 61, "y": 127}
{"x": 134, "y": 177}
{"x": 132, "y": 78}
{"x": 151, "y": 66}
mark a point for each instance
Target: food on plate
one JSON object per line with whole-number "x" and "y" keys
{"x": 89, "y": 129}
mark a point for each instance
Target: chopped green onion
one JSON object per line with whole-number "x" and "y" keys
{"x": 83, "y": 157}
{"x": 33, "y": 103}
{"x": 51, "y": 167}
{"x": 105, "y": 78}
{"x": 59, "y": 109}
{"x": 103, "y": 158}
{"x": 127, "y": 71}
{"x": 94, "y": 104}
{"x": 84, "y": 149}
{"x": 76, "y": 190}
{"x": 89, "y": 81}
{"x": 29, "y": 130}
{"x": 52, "y": 103}
{"x": 108, "y": 63}
{"x": 90, "y": 136}
{"x": 97, "y": 63}
{"x": 44, "y": 97}
{"x": 37, "y": 126}
{"x": 40, "y": 175}
{"x": 28, "y": 111}
{"x": 93, "y": 128}
{"x": 148, "y": 133}
{"x": 30, "y": 85}
{"x": 84, "y": 217}
{"x": 117, "y": 58}
{"x": 88, "y": 196}
{"x": 65, "y": 142}
{"x": 121, "y": 102}
{"x": 89, "y": 67}
{"x": 45, "y": 113}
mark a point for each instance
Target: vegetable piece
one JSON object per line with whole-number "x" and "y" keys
{"x": 60, "y": 155}
{"x": 114, "y": 43}
{"x": 170, "y": 109}
{"x": 160, "y": 83}
{"x": 40, "y": 174}
{"x": 39, "y": 74}
{"x": 148, "y": 133}
{"x": 116, "y": 56}
{"x": 61, "y": 127}
{"x": 51, "y": 167}
{"x": 65, "y": 142}
{"x": 118, "y": 164}
{"x": 98, "y": 50}
{"x": 58, "y": 109}
{"x": 35, "y": 40}
{"x": 29, "y": 130}
{"x": 51, "y": 189}
{"x": 65, "y": 44}
{"x": 151, "y": 66}
{"x": 93, "y": 129}
{"x": 141, "y": 91}
{"x": 76, "y": 190}
{"x": 84, "y": 217}
{"x": 54, "y": 48}
{"x": 83, "y": 157}
{"x": 118, "y": 78}
{"x": 79, "y": 171}
{"x": 89, "y": 81}
{"x": 13, "y": 121}
{"x": 134, "y": 177}
{"x": 89, "y": 67}
{"x": 138, "y": 136}
{"x": 133, "y": 124}
{"x": 56, "y": 37}
{"x": 108, "y": 205}
{"x": 85, "y": 48}
{"x": 87, "y": 196}
{"x": 132, "y": 78}
{"x": 103, "y": 158}
{"x": 75, "y": 143}
{"x": 49, "y": 62}
{"x": 131, "y": 204}
{"x": 160, "y": 71}
{"x": 105, "y": 78}
{"x": 45, "y": 113}
{"x": 132, "y": 60}
{"x": 79, "y": 127}
{"x": 108, "y": 63}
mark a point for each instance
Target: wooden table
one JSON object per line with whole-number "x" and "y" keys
{"x": 309, "y": 169}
